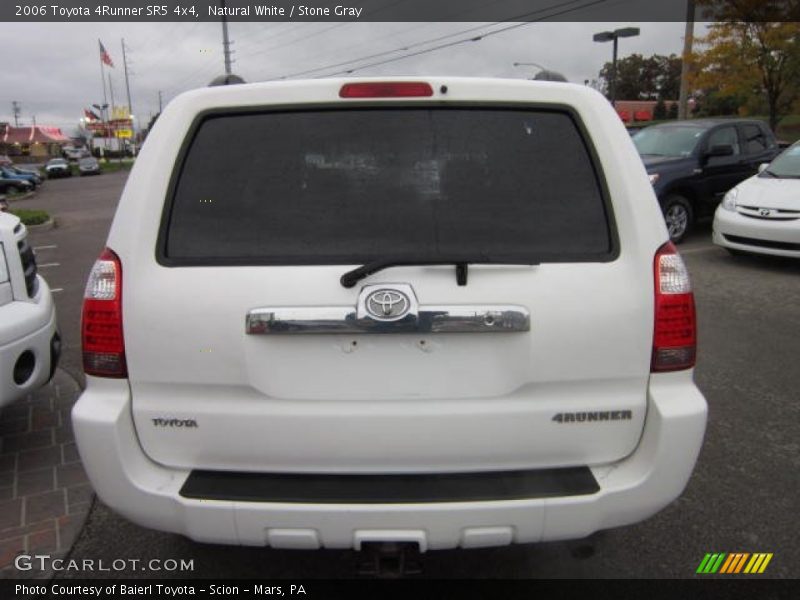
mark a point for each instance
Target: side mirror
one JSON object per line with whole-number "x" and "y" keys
{"x": 762, "y": 167}
{"x": 720, "y": 150}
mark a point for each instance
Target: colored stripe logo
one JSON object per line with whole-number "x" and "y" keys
{"x": 734, "y": 563}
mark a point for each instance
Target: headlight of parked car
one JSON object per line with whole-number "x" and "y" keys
{"x": 653, "y": 178}
{"x": 729, "y": 201}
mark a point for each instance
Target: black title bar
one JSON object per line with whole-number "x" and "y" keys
{"x": 155, "y": 11}
{"x": 391, "y": 589}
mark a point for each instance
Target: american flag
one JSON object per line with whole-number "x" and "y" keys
{"x": 104, "y": 56}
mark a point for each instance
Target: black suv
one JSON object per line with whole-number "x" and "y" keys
{"x": 693, "y": 163}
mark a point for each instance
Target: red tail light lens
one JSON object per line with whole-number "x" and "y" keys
{"x": 675, "y": 330}
{"x": 386, "y": 89}
{"x": 101, "y": 325}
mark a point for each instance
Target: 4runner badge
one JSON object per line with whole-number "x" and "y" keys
{"x": 582, "y": 417}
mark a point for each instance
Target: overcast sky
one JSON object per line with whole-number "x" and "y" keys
{"x": 53, "y": 69}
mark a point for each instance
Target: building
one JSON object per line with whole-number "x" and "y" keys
{"x": 35, "y": 141}
{"x": 639, "y": 110}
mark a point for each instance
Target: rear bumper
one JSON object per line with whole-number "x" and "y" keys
{"x": 38, "y": 322}
{"x": 630, "y": 490}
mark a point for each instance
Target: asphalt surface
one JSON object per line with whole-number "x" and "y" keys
{"x": 743, "y": 496}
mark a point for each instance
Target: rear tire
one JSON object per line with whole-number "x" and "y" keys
{"x": 678, "y": 216}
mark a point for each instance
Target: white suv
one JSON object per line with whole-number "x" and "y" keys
{"x": 29, "y": 340}
{"x": 441, "y": 311}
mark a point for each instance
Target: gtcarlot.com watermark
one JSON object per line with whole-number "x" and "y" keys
{"x": 44, "y": 562}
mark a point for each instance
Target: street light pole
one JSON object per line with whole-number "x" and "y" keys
{"x": 530, "y": 64}
{"x": 688, "y": 38}
{"x": 613, "y": 36}
{"x": 614, "y": 72}
{"x": 544, "y": 73}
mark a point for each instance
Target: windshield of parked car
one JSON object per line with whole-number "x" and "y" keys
{"x": 57, "y": 161}
{"x": 87, "y": 162}
{"x": 787, "y": 165}
{"x": 667, "y": 141}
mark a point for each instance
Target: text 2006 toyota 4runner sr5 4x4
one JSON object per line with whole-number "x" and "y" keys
{"x": 443, "y": 312}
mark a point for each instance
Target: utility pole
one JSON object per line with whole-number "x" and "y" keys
{"x": 128, "y": 92}
{"x": 688, "y": 39}
{"x": 127, "y": 83}
{"x": 226, "y": 44}
{"x": 113, "y": 115}
{"x": 17, "y": 111}
{"x": 111, "y": 90}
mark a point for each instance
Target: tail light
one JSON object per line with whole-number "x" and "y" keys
{"x": 101, "y": 326}
{"x": 675, "y": 330}
{"x": 386, "y": 89}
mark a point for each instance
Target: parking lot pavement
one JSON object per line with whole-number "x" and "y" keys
{"x": 44, "y": 493}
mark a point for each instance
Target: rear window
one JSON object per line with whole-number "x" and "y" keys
{"x": 358, "y": 185}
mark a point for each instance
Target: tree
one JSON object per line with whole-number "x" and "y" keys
{"x": 672, "y": 112}
{"x": 660, "y": 110}
{"x": 752, "y": 50}
{"x": 645, "y": 78}
{"x": 711, "y": 104}
{"x": 668, "y": 78}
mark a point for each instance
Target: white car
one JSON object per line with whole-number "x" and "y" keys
{"x": 762, "y": 214}
{"x": 29, "y": 340}
{"x": 57, "y": 167}
{"x": 442, "y": 312}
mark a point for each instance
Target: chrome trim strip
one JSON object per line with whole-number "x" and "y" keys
{"x": 500, "y": 318}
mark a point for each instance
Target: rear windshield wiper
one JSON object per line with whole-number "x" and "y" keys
{"x": 351, "y": 278}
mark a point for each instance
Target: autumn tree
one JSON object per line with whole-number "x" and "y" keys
{"x": 751, "y": 50}
{"x": 645, "y": 78}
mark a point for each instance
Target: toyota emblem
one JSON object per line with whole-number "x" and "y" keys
{"x": 765, "y": 212}
{"x": 387, "y": 305}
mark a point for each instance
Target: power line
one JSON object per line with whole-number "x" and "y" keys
{"x": 320, "y": 32}
{"x": 449, "y": 44}
{"x": 206, "y": 70}
{"x": 384, "y": 53}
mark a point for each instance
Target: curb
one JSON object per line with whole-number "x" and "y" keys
{"x": 46, "y": 226}
{"x": 45, "y": 496}
{"x": 24, "y": 196}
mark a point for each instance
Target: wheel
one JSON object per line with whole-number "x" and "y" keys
{"x": 678, "y": 216}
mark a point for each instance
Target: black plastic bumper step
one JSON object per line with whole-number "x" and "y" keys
{"x": 389, "y": 489}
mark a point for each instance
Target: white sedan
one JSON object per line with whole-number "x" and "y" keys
{"x": 762, "y": 214}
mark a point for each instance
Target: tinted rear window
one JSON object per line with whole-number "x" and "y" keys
{"x": 354, "y": 186}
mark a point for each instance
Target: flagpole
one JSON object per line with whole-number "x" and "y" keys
{"x": 102, "y": 73}
{"x": 105, "y": 97}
